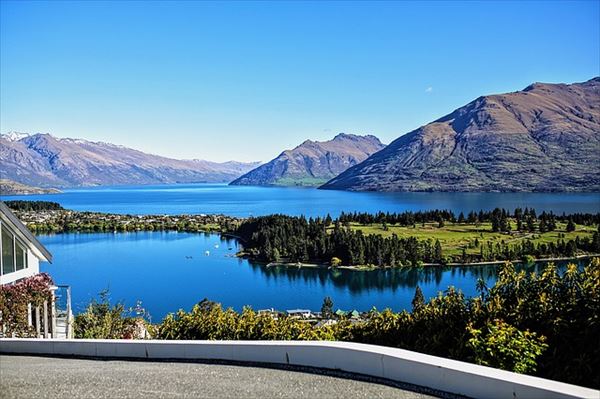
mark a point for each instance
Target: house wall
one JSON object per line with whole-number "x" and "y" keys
{"x": 33, "y": 262}
{"x": 33, "y": 268}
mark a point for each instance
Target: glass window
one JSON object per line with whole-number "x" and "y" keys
{"x": 21, "y": 256}
{"x": 8, "y": 252}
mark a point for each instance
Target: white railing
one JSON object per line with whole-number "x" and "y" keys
{"x": 393, "y": 364}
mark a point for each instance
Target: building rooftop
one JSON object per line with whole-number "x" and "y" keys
{"x": 9, "y": 218}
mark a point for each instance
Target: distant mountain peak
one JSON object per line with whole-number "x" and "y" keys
{"x": 14, "y": 136}
{"x": 313, "y": 162}
{"x": 343, "y": 135}
{"x": 543, "y": 138}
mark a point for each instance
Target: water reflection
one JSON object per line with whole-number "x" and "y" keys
{"x": 393, "y": 279}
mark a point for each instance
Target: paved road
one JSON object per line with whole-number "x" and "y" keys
{"x": 40, "y": 377}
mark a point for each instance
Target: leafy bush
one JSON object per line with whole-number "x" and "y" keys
{"x": 503, "y": 346}
{"x": 208, "y": 320}
{"x": 563, "y": 308}
{"x": 103, "y": 321}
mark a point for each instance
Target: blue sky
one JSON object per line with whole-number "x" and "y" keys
{"x": 243, "y": 81}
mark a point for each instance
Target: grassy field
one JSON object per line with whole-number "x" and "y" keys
{"x": 303, "y": 182}
{"x": 454, "y": 236}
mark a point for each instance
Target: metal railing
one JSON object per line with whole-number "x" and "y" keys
{"x": 62, "y": 318}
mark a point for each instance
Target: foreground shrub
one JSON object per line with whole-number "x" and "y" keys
{"x": 563, "y": 308}
{"x": 437, "y": 327}
{"x": 208, "y": 320}
{"x": 14, "y": 299}
{"x": 502, "y": 346}
{"x": 103, "y": 321}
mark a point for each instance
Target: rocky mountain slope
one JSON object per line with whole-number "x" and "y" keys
{"x": 9, "y": 187}
{"x": 313, "y": 163}
{"x": 47, "y": 161}
{"x": 543, "y": 138}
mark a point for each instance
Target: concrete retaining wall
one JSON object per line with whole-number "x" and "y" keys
{"x": 381, "y": 362}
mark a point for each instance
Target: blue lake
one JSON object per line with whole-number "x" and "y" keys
{"x": 245, "y": 201}
{"x": 169, "y": 271}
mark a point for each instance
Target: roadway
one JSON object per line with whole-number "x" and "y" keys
{"x": 42, "y": 377}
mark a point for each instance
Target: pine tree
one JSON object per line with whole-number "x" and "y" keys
{"x": 570, "y": 225}
{"x": 418, "y": 300}
{"x": 437, "y": 256}
{"x": 327, "y": 308}
{"x": 543, "y": 226}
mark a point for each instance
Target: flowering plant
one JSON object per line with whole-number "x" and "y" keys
{"x": 14, "y": 299}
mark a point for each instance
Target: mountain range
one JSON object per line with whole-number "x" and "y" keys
{"x": 313, "y": 163}
{"x": 543, "y": 138}
{"x": 47, "y": 161}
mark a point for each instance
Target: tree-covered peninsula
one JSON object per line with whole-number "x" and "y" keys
{"x": 416, "y": 238}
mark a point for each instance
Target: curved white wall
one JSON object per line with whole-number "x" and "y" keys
{"x": 377, "y": 361}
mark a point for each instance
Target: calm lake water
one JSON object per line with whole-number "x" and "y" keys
{"x": 168, "y": 271}
{"x": 245, "y": 200}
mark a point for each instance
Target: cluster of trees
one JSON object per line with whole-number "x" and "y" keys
{"x": 33, "y": 205}
{"x": 527, "y": 249}
{"x": 297, "y": 239}
{"x": 408, "y": 218}
{"x": 528, "y": 221}
{"x": 545, "y": 324}
{"x": 525, "y": 219}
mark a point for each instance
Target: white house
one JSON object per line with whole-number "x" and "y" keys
{"x": 21, "y": 251}
{"x": 300, "y": 313}
{"x": 21, "y": 256}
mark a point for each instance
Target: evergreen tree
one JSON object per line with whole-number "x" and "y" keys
{"x": 418, "y": 300}
{"x": 437, "y": 256}
{"x": 543, "y": 226}
{"x": 530, "y": 225}
{"x": 570, "y": 225}
{"x": 327, "y": 308}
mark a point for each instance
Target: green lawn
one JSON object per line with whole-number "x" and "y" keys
{"x": 454, "y": 236}
{"x": 303, "y": 182}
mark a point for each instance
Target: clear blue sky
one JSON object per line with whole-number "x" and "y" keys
{"x": 244, "y": 81}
